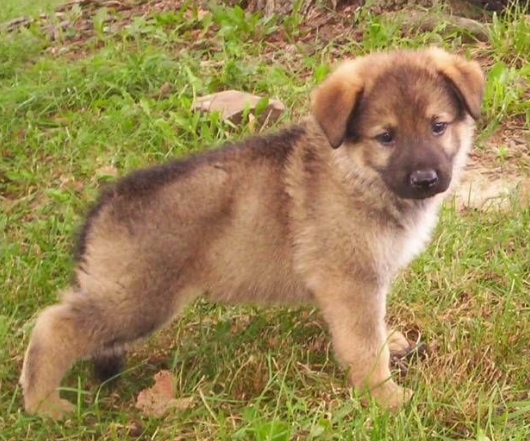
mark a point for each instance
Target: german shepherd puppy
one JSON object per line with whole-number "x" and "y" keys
{"x": 327, "y": 210}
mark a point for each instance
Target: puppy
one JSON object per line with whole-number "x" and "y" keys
{"x": 327, "y": 210}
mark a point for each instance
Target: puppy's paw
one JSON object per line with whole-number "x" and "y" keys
{"x": 398, "y": 398}
{"x": 56, "y": 408}
{"x": 397, "y": 343}
{"x": 391, "y": 396}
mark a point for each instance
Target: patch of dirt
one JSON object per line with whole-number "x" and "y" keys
{"x": 491, "y": 188}
{"x": 77, "y": 21}
{"x": 499, "y": 173}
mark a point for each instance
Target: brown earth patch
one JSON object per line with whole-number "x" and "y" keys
{"x": 498, "y": 173}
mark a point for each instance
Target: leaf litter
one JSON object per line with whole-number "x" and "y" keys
{"x": 160, "y": 398}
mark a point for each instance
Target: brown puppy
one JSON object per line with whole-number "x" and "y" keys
{"x": 328, "y": 210}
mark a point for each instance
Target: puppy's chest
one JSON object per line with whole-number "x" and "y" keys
{"x": 403, "y": 245}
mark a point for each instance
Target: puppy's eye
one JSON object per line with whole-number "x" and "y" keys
{"x": 438, "y": 128}
{"x": 385, "y": 138}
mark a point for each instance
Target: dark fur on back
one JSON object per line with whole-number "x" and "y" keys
{"x": 145, "y": 182}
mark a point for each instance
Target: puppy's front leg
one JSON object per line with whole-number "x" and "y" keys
{"x": 355, "y": 314}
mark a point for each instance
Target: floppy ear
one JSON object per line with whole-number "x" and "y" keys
{"x": 333, "y": 101}
{"x": 465, "y": 76}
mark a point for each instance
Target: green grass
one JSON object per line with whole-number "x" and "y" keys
{"x": 69, "y": 122}
{"x": 13, "y": 9}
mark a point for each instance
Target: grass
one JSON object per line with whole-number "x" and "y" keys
{"x": 13, "y": 9}
{"x": 70, "y": 122}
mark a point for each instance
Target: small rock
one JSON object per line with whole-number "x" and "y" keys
{"x": 231, "y": 104}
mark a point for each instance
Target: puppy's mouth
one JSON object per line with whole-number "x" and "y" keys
{"x": 420, "y": 184}
{"x": 406, "y": 193}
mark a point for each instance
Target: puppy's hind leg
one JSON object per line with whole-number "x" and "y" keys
{"x": 90, "y": 325}
{"x": 62, "y": 335}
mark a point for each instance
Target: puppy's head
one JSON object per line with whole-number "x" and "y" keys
{"x": 407, "y": 116}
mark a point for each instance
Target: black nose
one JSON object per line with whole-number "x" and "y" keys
{"x": 423, "y": 179}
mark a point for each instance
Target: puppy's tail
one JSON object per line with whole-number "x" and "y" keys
{"x": 108, "y": 363}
